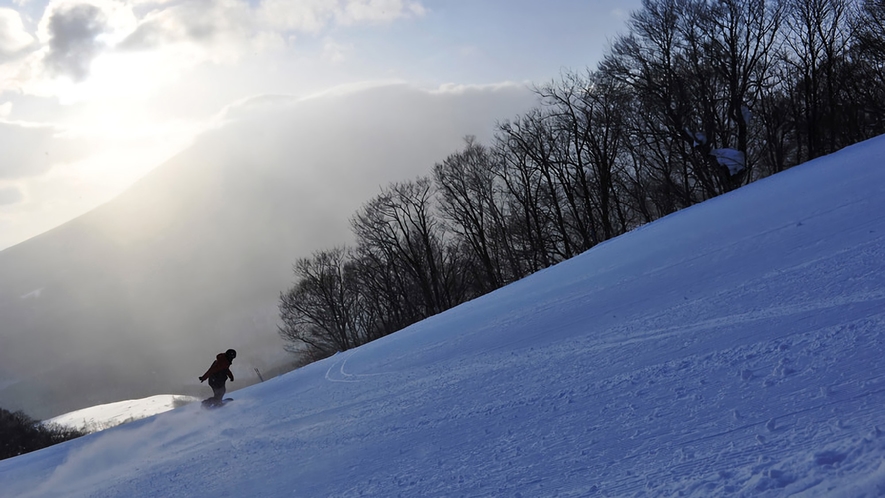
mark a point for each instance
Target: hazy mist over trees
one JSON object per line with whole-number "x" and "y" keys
{"x": 698, "y": 98}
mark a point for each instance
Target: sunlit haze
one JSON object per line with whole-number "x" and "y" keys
{"x": 95, "y": 93}
{"x": 165, "y": 163}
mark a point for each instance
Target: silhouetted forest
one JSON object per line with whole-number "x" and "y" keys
{"x": 19, "y": 434}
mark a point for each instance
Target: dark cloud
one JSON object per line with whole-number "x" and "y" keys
{"x": 10, "y": 195}
{"x": 31, "y": 150}
{"x": 73, "y": 42}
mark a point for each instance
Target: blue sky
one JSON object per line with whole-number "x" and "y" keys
{"x": 96, "y": 93}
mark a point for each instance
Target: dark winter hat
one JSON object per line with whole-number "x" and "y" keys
{"x": 231, "y": 354}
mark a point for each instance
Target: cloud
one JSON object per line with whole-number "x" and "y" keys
{"x": 74, "y": 32}
{"x": 335, "y": 52}
{"x": 360, "y": 11}
{"x": 10, "y": 195}
{"x": 621, "y": 14}
{"x": 312, "y": 16}
{"x": 13, "y": 37}
{"x": 235, "y": 20}
{"x": 30, "y": 150}
{"x": 198, "y": 22}
{"x": 307, "y": 16}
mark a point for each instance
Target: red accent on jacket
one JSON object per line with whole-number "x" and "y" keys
{"x": 221, "y": 363}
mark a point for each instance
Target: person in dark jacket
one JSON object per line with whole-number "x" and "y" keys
{"x": 218, "y": 374}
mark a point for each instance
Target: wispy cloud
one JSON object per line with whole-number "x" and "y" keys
{"x": 201, "y": 23}
{"x": 10, "y": 195}
{"x": 360, "y": 11}
{"x": 311, "y": 16}
{"x": 30, "y": 150}
{"x": 13, "y": 37}
{"x": 335, "y": 52}
{"x": 620, "y": 14}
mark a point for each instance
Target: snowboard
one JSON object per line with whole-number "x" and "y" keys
{"x": 209, "y": 403}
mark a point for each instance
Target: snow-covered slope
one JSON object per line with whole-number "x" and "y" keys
{"x": 734, "y": 347}
{"x": 101, "y": 417}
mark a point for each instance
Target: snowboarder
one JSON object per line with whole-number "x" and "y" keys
{"x": 218, "y": 374}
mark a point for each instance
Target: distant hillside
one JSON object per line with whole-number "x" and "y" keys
{"x": 135, "y": 297}
{"x": 101, "y": 417}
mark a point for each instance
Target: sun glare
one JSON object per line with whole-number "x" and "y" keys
{"x": 129, "y": 76}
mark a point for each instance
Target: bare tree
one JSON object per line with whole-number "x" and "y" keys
{"x": 471, "y": 202}
{"x": 527, "y": 148}
{"x": 867, "y": 83}
{"x": 742, "y": 37}
{"x": 321, "y": 311}
{"x": 398, "y": 228}
{"x": 587, "y": 113}
{"x": 665, "y": 129}
{"x": 870, "y": 28}
{"x": 817, "y": 39}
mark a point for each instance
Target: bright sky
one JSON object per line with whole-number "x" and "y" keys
{"x": 95, "y": 93}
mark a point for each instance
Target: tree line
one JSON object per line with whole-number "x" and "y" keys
{"x": 20, "y": 434}
{"x": 698, "y": 98}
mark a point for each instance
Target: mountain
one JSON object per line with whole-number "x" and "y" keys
{"x": 732, "y": 348}
{"x": 136, "y": 297}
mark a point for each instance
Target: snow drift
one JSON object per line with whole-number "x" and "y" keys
{"x": 734, "y": 347}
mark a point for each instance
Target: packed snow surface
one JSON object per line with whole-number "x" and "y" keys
{"x": 735, "y": 347}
